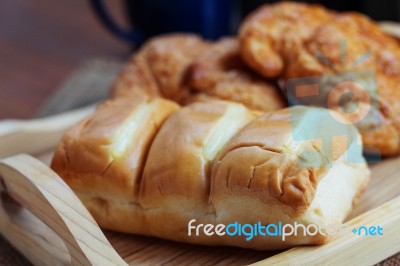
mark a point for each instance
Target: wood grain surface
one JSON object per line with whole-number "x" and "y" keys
{"x": 37, "y": 188}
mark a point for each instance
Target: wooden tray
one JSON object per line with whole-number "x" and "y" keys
{"x": 46, "y": 222}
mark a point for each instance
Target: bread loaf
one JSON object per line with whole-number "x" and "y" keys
{"x": 146, "y": 166}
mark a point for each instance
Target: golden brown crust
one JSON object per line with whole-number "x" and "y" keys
{"x": 271, "y": 165}
{"x": 160, "y": 67}
{"x": 85, "y": 156}
{"x": 384, "y": 139}
{"x": 186, "y": 171}
{"x": 135, "y": 79}
{"x": 273, "y": 29}
{"x": 184, "y": 168}
{"x": 171, "y": 65}
{"x": 367, "y": 48}
{"x": 274, "y": 41}
{"x": 220, "y": 72}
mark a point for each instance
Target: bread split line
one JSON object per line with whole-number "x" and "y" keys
{"x": 144, "y": 165}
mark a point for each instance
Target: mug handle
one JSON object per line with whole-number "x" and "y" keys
{"x": 130, "y": 35}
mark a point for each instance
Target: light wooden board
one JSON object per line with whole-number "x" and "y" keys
{"x": 384, "y": 186}
{"x": 43, "y": 246}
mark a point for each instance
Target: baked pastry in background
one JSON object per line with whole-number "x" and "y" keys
{"x": 184, "y": 68}
{"x": 351, "y": 43}
{"x": 142, "y": 165}
{"x": 332, "y": 48}
{"x": 160, "y": 68}
{"x": 221, "y": 73}
{"x": 272, "y": 29}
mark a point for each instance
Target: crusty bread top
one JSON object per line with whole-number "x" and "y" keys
{"x": 274, "y": 165}
{"x": 202, "y": 152}
{"x": 105, "y": 153}
{"x": 181, "y": 156}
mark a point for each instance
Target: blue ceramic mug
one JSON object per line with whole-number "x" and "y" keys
{"x": 208, "y": 18}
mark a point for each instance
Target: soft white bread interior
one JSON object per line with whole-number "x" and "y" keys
{"x": 147, "y": 167}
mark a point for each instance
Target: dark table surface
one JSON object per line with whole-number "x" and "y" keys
{"x": 41, "y": 42}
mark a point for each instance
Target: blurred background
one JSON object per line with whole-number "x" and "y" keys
{"x": 378, "y": 10}
{"x": 42, "y": 42}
